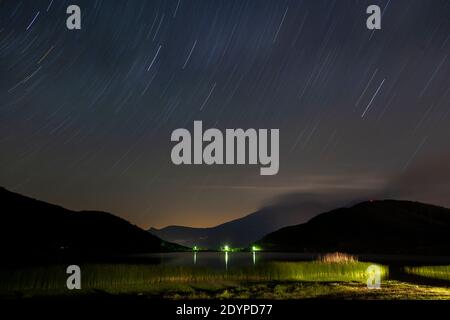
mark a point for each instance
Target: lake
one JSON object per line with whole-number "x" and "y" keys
{"x": 223, "y": 260}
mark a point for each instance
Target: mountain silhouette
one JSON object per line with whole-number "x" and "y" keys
{"x": 243, "y": 231}
{"x": 387, "y": 226}
{"x": 31, "y": 227}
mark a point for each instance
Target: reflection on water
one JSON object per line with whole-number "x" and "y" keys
{"x": 226, "y": 260}
{"x": 237, "y": 259}
{"x": 221, "y": 260}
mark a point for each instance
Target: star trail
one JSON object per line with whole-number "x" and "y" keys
{"x": 86, "y": 115}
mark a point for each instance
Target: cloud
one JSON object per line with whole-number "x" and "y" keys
{"x": 428, "y": 180}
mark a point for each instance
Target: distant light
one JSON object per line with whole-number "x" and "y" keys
{"x": 255, "y": 248}
{"x": 194, "y": 248}
{"x": 226, "y": 248}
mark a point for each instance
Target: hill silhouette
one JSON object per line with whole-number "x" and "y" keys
{"x": 31, "y": 227}
{"x": 243, "y": 231}
{"x": 384, "y": 227}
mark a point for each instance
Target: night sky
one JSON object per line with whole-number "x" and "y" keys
{"x": 86, "y": 115}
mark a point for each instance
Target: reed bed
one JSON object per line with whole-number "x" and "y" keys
{"x": 129, "y": 277}
{"x": 337, "y": 257}
{"x": 435, "y": 272}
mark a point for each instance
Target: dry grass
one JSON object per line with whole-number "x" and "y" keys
{"x": 337, "y": 257}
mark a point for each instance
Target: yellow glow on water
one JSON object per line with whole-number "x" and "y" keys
{"x": 226, "y": 260}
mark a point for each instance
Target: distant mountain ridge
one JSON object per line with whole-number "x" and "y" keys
{"x": 386, "y": 226}
{"x": 243, "y": 231}
{"x": 33, "y": 227}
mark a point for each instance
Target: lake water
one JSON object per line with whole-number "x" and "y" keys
{"x": 222, "y": 260}
{"x": 219, "y": 260}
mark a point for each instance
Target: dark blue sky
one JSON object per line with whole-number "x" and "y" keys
{"x": 86, "y": 116}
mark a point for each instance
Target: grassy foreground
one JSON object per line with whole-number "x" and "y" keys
{"x": 278, "y": 280}
{"x": 434, "y": 272}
